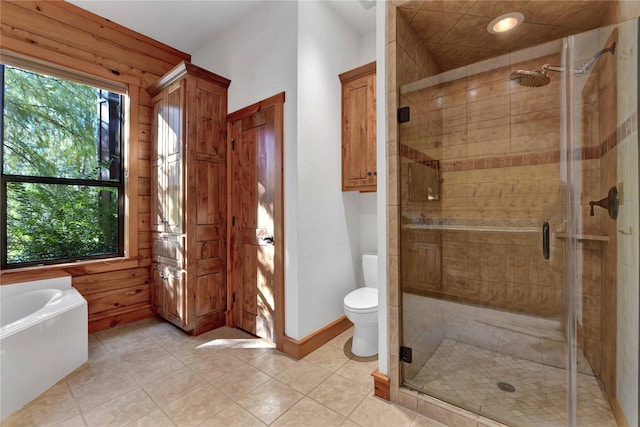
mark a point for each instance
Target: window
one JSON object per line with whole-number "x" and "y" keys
{"x": 62, "y": 179}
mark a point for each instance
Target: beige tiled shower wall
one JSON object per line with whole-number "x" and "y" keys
{"x": 597, "y": 325}
{"x": 498, "y": 147}
{"x": 407, "y": 61}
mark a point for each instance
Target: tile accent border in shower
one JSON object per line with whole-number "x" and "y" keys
{"x": 586, "y": 153}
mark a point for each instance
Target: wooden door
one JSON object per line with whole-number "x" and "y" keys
{"x": 256, "y": 213}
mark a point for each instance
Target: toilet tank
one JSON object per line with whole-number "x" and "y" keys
{"x": 370, "y": 270}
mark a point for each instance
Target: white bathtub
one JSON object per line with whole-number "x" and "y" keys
{"x": 43, "y": 337}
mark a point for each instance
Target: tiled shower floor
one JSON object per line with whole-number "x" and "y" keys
{"x": 467, "y": 351}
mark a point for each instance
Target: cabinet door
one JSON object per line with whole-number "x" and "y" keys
{"x": 167, "y": 162}
{"x": 210, "y": 245}
{"x": 168, "y": 249}
{"x": 176, "y": 297}
{"x": 359, "y": 135}
{"x": 173, "y": 169}
{"x": 157, "y": 289}
{"x": 158, "y": 177}
{"x": 211, "y": 123}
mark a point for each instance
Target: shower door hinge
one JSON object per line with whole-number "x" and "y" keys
{"x": 405, "y": 354}
{"x": 404, "y": 114}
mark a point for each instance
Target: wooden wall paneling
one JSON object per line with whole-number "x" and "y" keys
{"x": 43, "y": 49}
{"x": 144, "y": 167}
{"x": 144, "y": 204}
{"x": 119, "y": 316}
{"x": 132, "y": 172}
{"x": 62, "y": 34}
{"x": 116, "y": 298}
{"x": 144, "y": 186}
{"x": 144, "y": 221}
{"x": 145, "y": 114}
{"x": 144, "y": 257}
{"x": 101, "y": 282}
{"x": 144, "y": 239}
{"x": 144, "y": 143}
{"x": 95, "y": 267}
{"x": 19, "y": 275}
{"x": 106, "y": 29}
{"x": 38, "y": 24}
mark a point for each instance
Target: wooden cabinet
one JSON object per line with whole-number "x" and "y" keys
{"x": 359, "y": 129}
{"x": 189, "y": 205}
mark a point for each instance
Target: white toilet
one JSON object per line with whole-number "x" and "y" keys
{"x": 361, "y": 307}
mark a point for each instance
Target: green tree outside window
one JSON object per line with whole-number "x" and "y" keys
{"x": 62, "y": 177}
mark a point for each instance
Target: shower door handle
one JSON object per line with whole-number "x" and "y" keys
{"x": 545, "y": 240}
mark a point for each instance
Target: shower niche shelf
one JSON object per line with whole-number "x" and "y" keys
{"x": 469, "y": 224}
{"x": 583, "y": 237}
{"x": 486, "y": 229}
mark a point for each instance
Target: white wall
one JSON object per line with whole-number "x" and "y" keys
{"x": 368, "y": 47}
{"x": 300, "y": 48}
{"x": 329, "y": 221}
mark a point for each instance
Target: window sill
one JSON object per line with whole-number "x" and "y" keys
{"x": 78, "y": 268}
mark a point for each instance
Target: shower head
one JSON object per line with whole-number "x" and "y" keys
{"x": 530, "y": 78}
{"x": 541, "y": 78}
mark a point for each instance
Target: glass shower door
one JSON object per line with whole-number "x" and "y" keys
{"x": 506, "y": 277}
{"x": 602, "y": 235}
{"x": 483, "y": 307}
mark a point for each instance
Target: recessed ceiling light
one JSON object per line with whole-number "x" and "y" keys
{"x": 505, "y": 22}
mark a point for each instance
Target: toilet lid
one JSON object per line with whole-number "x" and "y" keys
{"x": 362, "y": 299}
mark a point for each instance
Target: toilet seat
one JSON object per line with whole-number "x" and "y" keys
{"x": 362, "y": 300}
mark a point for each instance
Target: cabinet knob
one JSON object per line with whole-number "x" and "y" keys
{"x": 369, "y": 173}
{"x": 375, "y": 173}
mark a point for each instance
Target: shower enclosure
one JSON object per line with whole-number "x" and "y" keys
{"x": 519, "y": 233}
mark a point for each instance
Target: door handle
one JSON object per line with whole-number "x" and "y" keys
{"x": 545, "y": 240}
{"x": 267, "y": 239}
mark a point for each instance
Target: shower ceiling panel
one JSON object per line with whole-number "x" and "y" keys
{"x": 455, "y": 31}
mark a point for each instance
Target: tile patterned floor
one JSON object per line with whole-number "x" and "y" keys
{"x": 149, "y": 373}
{"x": 466, "y": 351}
